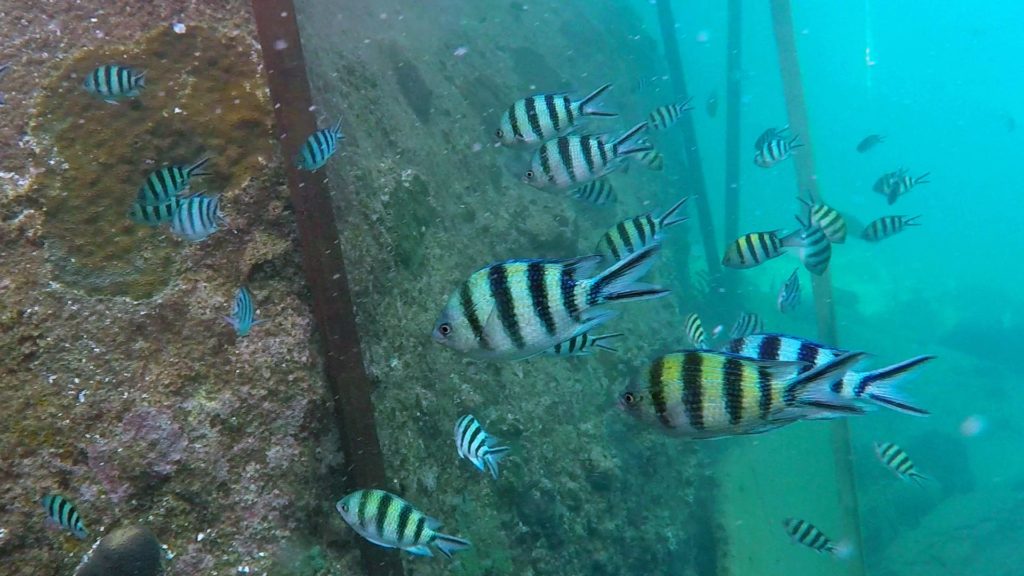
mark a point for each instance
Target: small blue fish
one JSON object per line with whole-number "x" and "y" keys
{"x": 168, "y": 182}
{"x": 319, "y": 147}
{"x": 478, "y": 446}
{"x": 789, "y": 294}
{"x": 154, "y": 215}
{"x": 243, "y": 315}
{"x": 3, "y": 70}
{"x": 197, "y": 217}
{"x": 63, "y": 512}
{"x": 114, "y": 82}
{"x": 748, "y": 323}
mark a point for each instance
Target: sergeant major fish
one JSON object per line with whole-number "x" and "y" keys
{"x": 114, "y": 82}
{"x": 197, "y": 217}
{"x": 886, "y": 226}
{"x": 789, "y": 294}
{"x": 518, "y": 308}
{"x": 153, "y": 215}
{"x": 892, "y": 185}
{"x": 704, "y": 394}
{"x": 652, "y": 159}
{"x": 695, "y": 331}
{"x": 389, "y": 521}
{"x": 775, "y": 150}
{"x": 165, "y": 184}
{"x": 319, "y": 147}
{"x": 477, "y": 446}
{"x": 583, "y": 345}
{"x": 243, "y": 315}
{"x": 747, "y": 323}
{"x": 768, "y": 135}
{"x": 633, "y": 234}
{"x": 895, "y": 458}
{"x": 539, "y": 118}
{"x": 869, "y": 142}
{"x": 62, "y": 512}
{"x": 803, "y": 532}
{"x": 815, "y": 250}
{"x": 880, "y": 387}
{"x": 569, "y": 161}
{"x": 664, "y": 117}
{"x": 828, "y": 219}
{"x": 756, "y": 248}
{"x": 599, "y": 192}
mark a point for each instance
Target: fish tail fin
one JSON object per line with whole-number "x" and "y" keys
{"x": 923, "y": 179}
{"x": 336, "y": 128}
{"x": 667, "y": 220}
{"x": 448, "y": 545}
{"x": 140, "y": 79}
{"x": 882, "y": 386}
{"x": 911, "y": 221}
{"x": 794, "y": 142}
{"x": 196, "y": 168}
{"x": 596, "y": 341}
{"x": 842, "y": 550}
{"x": 629, "y": 143}
{"x": 920, "y": 479}
{"x": 230, "y": 320}
{"x": 587, "y": 106}
{"x": 493, "y": 456}
{"x": 619, "y": 282}
{"x": 814, "y": 388}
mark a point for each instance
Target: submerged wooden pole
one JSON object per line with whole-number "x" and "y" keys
{"x": 732, "y": 121}
{"x": 789, "y": 66}
{"x": 694, "y": 168}
{"x": 323, "y": 264}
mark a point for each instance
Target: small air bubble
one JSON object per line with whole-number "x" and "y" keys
{"x": 284, "y": 14}
{"x": 178, "y": 28}
{"x": 280, "y": 44}
{"x": 312, "y": 108}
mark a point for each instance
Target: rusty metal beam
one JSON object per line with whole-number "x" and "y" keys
{"x": 789, "y": 67}
{"x": 732, "y": 121}
{"x": 322, "y": 261}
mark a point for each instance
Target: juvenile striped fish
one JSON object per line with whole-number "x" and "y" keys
{"x": 583, "y": 345}
{"x": 895, "y": 458}
{"x": 63, "y": 513}
{"x": 815, "y": 250}
{"x": 805, "y": 533}
{"x": 887, "y": 226}
{"x": 775, "y": 150}
{"x": 828, "y": 219}
{"x": 892, "y": 185}
{"x": 703, "y": 394}
{"x": 747, "y": 323}
{"x": 319, "y": 148}
{"x": 880, "y": 387}
{"x": 756, "y": 248}
{"x": 633, "y": 234}
{"x": 768, "y": 135}
{"x": 477, "y": 446}
{"x": 664, "y": 117}
{"x": 599, "y": 192}
{"x": 387, "y": 520}
{"x": 197, "y": 217}
{"x": 153, "y": 215}
{"x": 163, "y": 185}
{"x": 539, "y": 118}
{"x": 114, "y": 82}
{"x": 652, "y": 159}
{"x": 789, "y": 294}
{"x": 569, "y": 161}
{"x": 869, "y": 142}
{"x": 518, "y": 308}
{"x": 243, "y": 315}
{"x": 695, "y": 331}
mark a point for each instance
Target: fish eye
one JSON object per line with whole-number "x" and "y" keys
{"x": 629, "y": 398}
{"x": 344, "y": 507}
{"x": 529, "y": 174}
{"x": 444, "y": 329}
{"x": 499, "y": 132}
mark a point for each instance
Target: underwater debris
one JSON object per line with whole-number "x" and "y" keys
{"x": 129, "y": 551}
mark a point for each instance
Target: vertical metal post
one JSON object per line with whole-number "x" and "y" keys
{"x": 732, "y": 121}
{"x": 695, "y": 169}
{"x": 322, "y": 262}
{"x": 789, "y": 66}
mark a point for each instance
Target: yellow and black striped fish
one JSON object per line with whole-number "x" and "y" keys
{"x": 892, "y": 185}
{"x": 703, "y": 394}
{"x": 805, "y": 533}
{"x": 828, "y": 219}
{"x": 775, "y": 150}
{"x": 664, "y": 117}
{"x": 756, "y": 248}
{"x": 895, "y": 458}
{"x": 887, "y": 226}
{"x": 570, "y": 161}
{"x": 695, "y": 331}
{"x": 518, "y": 308}
{"x": 815, "y": 250}
{"x": 389, "y": 521}
{"x": 583, "y": 345}
{"x": 539, "y": 118}
{"x": 632, "y": 234}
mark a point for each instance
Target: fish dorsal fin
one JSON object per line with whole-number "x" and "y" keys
{"x": 582, "y": 267}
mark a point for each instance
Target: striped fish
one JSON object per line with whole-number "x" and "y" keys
{"x": 633, "y": 234}
{"x": 243, "y": 315}
{"x": 652, "y": 159}
{"x": 896, "y": 459}
{"x": 518, "y": 308}
{"x": 664, "y": 117}
{"x": 599, "y": 192}
{"x": 887, "y": 226}
{"x": 570, "y": 161}
{"x": 828, "y": 219}
{"x": 747, "y": 323}
{"x": 319, "y": 147}
{"x": 815, "y": 250}
{"x": 756, "y": 248}
{"x": 703, "y": 394}
{"x": 695, "y": 331}
{"x": 153, "y": 215}
{"x": 542, "y": 117}
{"x": 805, "y": 533}
{"x": 879, "y": 387}
{"x": 768, "y": 135}
{"x": 892, "y": 185}
{"x": 63, "y": 513}
{"x": 775, "y": 150}
{"x": 167, "y": 183}
{"x": 389, "y": 521}
{"x": 789, "y": 294}
{"x": 3, "y": 70}
{"x": 197, "y": 217}
{"x": 583, "y": 345}
{"x": 114, "y": 82}
{"x": 477, "y": 446}
{"x": 700, "y": 282}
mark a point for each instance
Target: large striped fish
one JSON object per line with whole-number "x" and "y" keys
{"x": 163, "y": 185}
{"x": 583, "y": 345}
{"x": 896, "y": 459}
{"x": 881, "y": 387}
{"x": 197, "y": 217}
{"x": 570, "y": 161}
{"x": 539, "y": 118}
{"x": 62, "y": 512}
{"x": 518, "y": 308}
{"x": 815, "y": 250}
{"x": 633, "y": 234}
{"x": 703, "y": 394}
{"x": 389, "y": 521}
{"x": 319, "y": 147}
{"x": 474, "y": 444}
{"x": 113, "y": 82}
{"x": 807, "y": 534}
{"x": 664, "y": 117}
{"x": 887, "y": 226}
{"x": 756, "y": 248}
{"x": 828, "y": 219}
